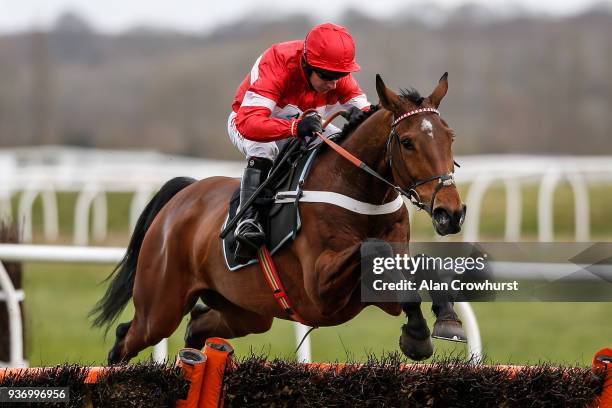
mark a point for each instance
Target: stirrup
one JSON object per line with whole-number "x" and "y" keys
{"x": 250, "y": 222}
{"x": 249, "y": 234}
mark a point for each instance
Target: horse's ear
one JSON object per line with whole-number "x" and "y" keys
{"x": 388, "y": 98}
{"x": 436, "y": 96}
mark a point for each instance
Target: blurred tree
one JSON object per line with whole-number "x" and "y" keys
{"x": 41, "y": 101}
{"x": 517, "y": 84}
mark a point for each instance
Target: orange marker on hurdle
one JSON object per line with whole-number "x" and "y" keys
{"x": 193, "y": 364}
{"x": 603, "y": 361}
{"x": 219, "y": 354}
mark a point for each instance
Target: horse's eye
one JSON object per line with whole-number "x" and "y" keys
{"x": 407, "y": 144}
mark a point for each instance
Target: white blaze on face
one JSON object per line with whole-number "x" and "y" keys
{"x": 427, "y": 127}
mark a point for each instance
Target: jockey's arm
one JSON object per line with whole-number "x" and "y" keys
{"x": 255, "y": 123}
{"x": 351, "y": 94}
{"x": 253, "y": 119}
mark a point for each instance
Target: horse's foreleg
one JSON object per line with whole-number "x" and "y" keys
{"x": 335, "y": 280}
{"x": 229, "y": 322}
{"x": 447, "y": 325}
{"x": 415, "y": 341}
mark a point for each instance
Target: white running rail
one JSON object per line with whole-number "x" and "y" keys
{"x": 107, "y": 255}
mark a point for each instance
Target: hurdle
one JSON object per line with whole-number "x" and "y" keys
{"x": 212, "y": 377}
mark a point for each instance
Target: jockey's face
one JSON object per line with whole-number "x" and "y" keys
{"x": 320, "y": 85}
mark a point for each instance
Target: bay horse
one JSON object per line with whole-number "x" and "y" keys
{"x": 175, "y": 258}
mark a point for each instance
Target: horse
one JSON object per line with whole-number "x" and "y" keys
{"x": 174, "y": 257}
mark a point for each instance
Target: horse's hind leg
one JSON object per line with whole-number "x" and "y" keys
{"x": 143, "y": 331}
{"x": 158, "y": 312}
{"x": 230, "y": 321}
{"x": 114, "y": 356}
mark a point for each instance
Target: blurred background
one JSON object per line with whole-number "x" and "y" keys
{"x": 100, "y": 102}
{"x": 522, "y": 80}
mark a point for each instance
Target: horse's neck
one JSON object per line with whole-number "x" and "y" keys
{"x": 368, "y": 143}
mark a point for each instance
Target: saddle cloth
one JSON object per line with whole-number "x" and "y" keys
{"x": 280, "y": 221}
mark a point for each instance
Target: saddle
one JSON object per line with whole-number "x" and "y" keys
{"x": 278, "y": 203}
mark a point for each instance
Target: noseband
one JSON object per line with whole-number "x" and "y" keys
{"x": 444, "y": 179}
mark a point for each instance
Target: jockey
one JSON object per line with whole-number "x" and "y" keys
{"x": 287, "y": 79}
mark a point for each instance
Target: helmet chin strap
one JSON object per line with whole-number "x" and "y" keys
{"x": 307, "y": 70}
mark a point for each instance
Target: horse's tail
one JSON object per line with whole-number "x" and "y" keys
{"x": 119, "y": 292}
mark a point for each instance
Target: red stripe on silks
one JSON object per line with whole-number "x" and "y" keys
{"x": 274, "y": 281}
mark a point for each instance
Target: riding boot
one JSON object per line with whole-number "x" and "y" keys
{"x": 249, "y": 232}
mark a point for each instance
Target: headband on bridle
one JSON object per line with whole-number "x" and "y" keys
{"x": 413, "y": 112}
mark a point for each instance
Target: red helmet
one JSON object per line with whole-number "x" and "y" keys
{"x": 331, "y": 47}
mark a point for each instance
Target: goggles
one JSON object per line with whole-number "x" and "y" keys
{"x": 326, "y": 75}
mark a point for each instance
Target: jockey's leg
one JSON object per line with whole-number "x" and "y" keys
{"x": 260, "y": 155}
{"x": 249, "y": 232}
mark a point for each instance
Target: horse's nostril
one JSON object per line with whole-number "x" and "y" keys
{"x": 441, "y": 217}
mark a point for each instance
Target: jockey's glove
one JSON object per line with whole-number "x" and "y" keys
{"x": 309, "y": 125}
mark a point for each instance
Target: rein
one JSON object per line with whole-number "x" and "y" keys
{"x": 445, "y": 179}
{"x": 265, "y": 259}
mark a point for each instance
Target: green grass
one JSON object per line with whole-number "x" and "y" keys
{"x": 58, "y": 297}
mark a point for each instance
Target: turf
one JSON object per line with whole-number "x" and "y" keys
{"x": 58, "y": 297}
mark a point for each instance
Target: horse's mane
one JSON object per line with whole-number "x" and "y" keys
{"x": 412, "y": 95}
{"x": 350, "y": 126}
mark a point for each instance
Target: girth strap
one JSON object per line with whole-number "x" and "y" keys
{"x": 274, "y": 281}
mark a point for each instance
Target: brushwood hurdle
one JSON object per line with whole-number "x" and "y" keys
{"x": 213, "y": 377}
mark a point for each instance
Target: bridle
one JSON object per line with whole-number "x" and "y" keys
{"x": 444, "y": 179}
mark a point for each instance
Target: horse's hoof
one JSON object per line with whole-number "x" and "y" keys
{"x": 114, "y": 356}
{"x": 413, "y": 348}
{"x": 451, "y": 330}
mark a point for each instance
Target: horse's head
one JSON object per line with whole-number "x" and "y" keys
{"x": 419, "y": 150}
